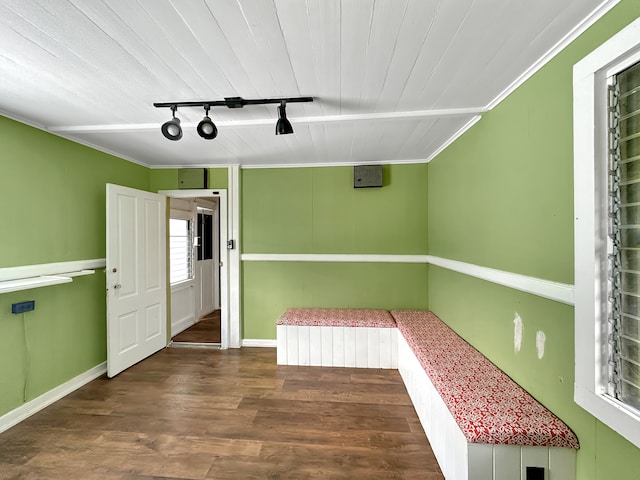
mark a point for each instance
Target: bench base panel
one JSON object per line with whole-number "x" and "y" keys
{"x": 461, "y": 460}
{"x": 320, "y": 346}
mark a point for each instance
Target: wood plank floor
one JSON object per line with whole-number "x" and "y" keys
{"x": 206, "y": 330}
{"x": 228, "y": 414}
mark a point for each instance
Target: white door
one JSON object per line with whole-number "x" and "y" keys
{"x": 136, "y": 276}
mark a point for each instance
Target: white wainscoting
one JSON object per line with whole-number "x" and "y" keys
{"x": 183, "y": 307}
{"x": 360, "y": 347}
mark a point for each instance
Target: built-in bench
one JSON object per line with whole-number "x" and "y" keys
{"x": 337, "y": 337}
{"x": 481, "y": 424}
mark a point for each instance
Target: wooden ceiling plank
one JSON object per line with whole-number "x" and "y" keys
{"x": 448, "y": 17}
{"x": 323, "y": 17}
{"x": 357, "y": 19}
{"x": 411, "y": 43}
{"x": 388, "y": 18}
{"x": 292, "y": 15}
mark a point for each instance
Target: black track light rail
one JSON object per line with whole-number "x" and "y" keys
{"x": 233, "y": 102}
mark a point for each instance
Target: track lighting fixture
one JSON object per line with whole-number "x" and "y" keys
{"x": 207, "y": 129}
{"x": 172, "y": 129}
{"x": 283, "y": 125}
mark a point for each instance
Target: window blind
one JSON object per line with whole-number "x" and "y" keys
{"x": 180, "y": 250}
{"x": 624, "y": 235}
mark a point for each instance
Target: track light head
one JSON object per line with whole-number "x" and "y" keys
{"x": 283, "y": 126}
{"x": 172, "y": 129}
{"x": 206, "y": 128}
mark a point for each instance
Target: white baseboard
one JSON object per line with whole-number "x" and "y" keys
{"x": 259, "y": 342}
{"x": 23, "y": 412}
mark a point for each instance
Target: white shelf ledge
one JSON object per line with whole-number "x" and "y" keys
{"x": 34, "y": 282}
{"x": 13, "y": 279}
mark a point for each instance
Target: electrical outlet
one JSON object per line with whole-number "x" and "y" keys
{"x": 23, "y": 306}
{"x": 535, "y": 473}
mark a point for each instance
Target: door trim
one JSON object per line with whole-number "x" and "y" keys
{"x": 229, "y": 319}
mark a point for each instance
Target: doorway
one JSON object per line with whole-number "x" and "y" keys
{"x": 198, "y": 313}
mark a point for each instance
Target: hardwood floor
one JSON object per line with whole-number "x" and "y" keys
{"x": 227, "y": 414}
{"x": 206, "y": 330}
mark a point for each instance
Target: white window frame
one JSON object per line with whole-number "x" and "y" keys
{"x": 186, "y": 216}
{"x": 590, "y": 81}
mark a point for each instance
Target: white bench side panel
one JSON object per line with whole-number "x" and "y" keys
{"x": 506, "y": 461}
{"x": 362, "y": 344}
{"x": 292, "y": 345}
{"x": 480, "y": 461}
{"x": 534, "y": 457}
{"x": 303, "y": 346}
{"x": 315, "y": 346}
{"x": 326, "y": 353}
{"x": 429, "y": 407}
{"x": 373, "y": 347}
{"x": 562, "y": 463}
{"x": 281, "y": 341}
{"x": 349, "y": 346}
{"x": 338, "y": 347}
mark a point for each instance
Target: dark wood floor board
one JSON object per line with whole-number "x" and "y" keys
{"x": 205, "y": 330}
{"x": 197, "y": 414}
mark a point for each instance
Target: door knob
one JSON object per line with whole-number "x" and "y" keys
{"x": 117, "y": 286}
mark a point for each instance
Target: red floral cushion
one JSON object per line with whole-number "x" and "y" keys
{"x": 337, "y": 317}
{"x": 488, "y": 406}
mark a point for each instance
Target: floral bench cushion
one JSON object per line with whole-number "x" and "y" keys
{"x": 488, "y": 406}
{"x": 337, "y": 317}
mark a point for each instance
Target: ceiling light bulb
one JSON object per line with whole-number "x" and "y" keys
{"x": 172, "y": 129}
{"x": 283, "y": 126}
{"x": 207, "y": 129}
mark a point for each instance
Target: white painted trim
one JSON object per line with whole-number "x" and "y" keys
{"x": 259, "y": 342}
{"x": 235, "y": 306}
{"x": 578, "y": 30}
{"x": 454, "y": 137}
{"x": 360, "y": 117}
{"x": 23, "y": 412}
{"x": 332, "y": 257}
{"x": 58, "y": 268}
{"x": 410, "y": 161}
{"x": 560, "y": 292}
{"x": 228, "y": 323}
{"x": 590, "y": 236}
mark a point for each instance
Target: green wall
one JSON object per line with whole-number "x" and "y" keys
{"x": 52, "y": 207}
{"x": 167, "y": 178}
{"x": 502, "y": 196}
{"x": 317, "y": 210}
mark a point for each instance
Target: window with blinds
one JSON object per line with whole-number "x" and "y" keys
{"x": 180, "y": 250}
{"x": 624, "y": 236}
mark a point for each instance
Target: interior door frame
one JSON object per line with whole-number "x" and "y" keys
{"x": 229, "y": 320}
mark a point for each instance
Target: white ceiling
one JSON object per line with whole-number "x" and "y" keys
{"x": 393, "y": 80}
